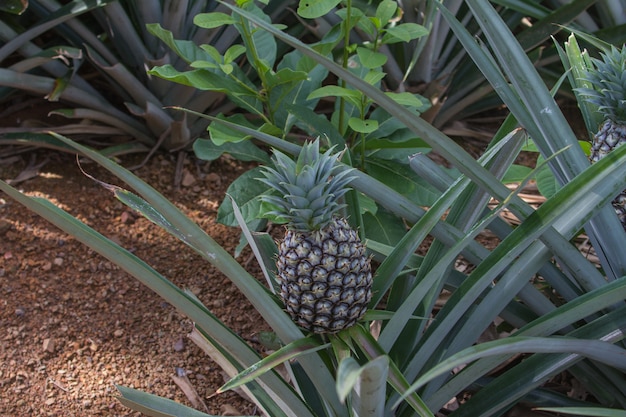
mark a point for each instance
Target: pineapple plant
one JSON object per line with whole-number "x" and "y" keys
{"x": 608, "y": 79}
{"x": 323, "y": 271}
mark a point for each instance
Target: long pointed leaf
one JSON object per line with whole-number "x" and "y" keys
{"x": 291, "y": 351}
{"x": 155, "y": 406}
{"x": 600, "y": 351}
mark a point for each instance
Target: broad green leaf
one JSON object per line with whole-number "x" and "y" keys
{"x": 207, "y": 150}
{"x": 373, "y": 77}
{"x": 212, "y": 51}
{"x": 244, "y": 191}
{"x": 221, "y": 134}
{"x": 402, "y": 179}
{"x": 366, "y": 204}
{"x": 385, "y": 11}
{"x": 315, "y": 124}
{"x": 233, "y": 53}
{"x": 284, "y": 76}
{"x": 205, "y": 65}
{"x": 516, "y": 173}
{"x": 312, "y": 9}
{"x": 260, "y": 46}
{"x": 409, "y": 100}
{"x": 336, "y": 91}
{"x": 546, "y": 181}
{"x": 212, "y": 20}
{"x": 185, "y": 49}
{"x": 404, "y": 32}
{"x": 239, "y": 89}
{"x": 384, "y": 227}
{"x": 201, "y": 79}
{"x": 371, "y": 59}
{"x": 362, "y": 126}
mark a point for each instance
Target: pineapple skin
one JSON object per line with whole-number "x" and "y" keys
{"x": 325, "y": 277}
{"x": 610, "y": 136}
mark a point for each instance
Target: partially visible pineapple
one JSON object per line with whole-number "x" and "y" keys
{"x": 609, "y": 94}
{"x": 324, "y": 273}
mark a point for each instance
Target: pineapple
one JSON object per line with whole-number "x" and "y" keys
{"x": 609, "y": 94}
{"x": 324, "y": 274}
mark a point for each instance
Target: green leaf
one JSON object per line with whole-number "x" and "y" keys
{"x": 155, "y": 406}
{"x": 244, "y": 191}
{"x": 585, "y": 411}
{"x": 233, "y": 53}
{"x": 212, "y": 20}
{"x": 402, "y": 179}
{"x": 312, "y": 9}
{"x": 383, "y": 227}
{"x": 336, "y": 91}
{"x": 369, "y": 379}
{"x": 207, "y": 150}
{"x": 600, "y": 351}
{"x": 221, "y": 134}
{"x": 396, "y": 379}
{"x": 371, "y": 59}
{"x": 185, "y": 49}
{"x": 404, "y": 32}
{"x": 238, "y": 91}
{"x": 261, "y": 48}
{"x": 315, "y": 124}
{"x": 409, "y": 100}
{"x": 362, "y": 126}
{"x": 284, "y": 76}
{"x": 546, "y": 181}
{"x": 516, "y": 173}
{"x": 385, "y": 11}
{"x": 293, "y": 350}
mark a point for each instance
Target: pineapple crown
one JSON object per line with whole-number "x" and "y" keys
{"x": 309, "y": 188}
{"x": 608, "y": 79}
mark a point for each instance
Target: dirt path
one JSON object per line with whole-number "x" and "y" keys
{"x": 72, "y": 325}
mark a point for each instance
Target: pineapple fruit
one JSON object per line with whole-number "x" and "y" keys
{"x": 608, "y": 79}
{"x": 324, "y": 273}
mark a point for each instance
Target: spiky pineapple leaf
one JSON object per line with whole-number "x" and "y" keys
{"x": 293, "y": 350}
